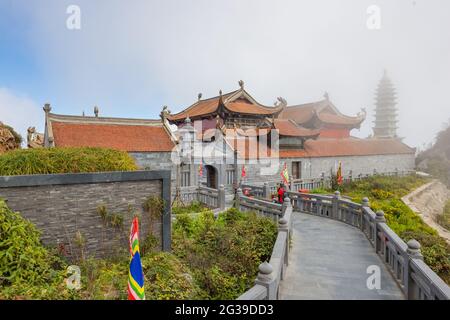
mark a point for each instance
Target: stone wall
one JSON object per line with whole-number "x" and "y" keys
{"x": 313, "y": 167}
{"x": 63, "y": 205}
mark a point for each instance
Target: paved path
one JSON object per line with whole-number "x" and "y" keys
{"x": 329, "y": 260}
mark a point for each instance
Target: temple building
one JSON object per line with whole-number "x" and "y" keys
{"x": 232, "y": 138}
{"x": 311, "y": 139}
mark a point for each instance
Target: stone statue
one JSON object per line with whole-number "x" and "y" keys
{"x": 34, "y": 139}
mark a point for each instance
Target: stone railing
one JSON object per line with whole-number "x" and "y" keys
{"x": 263, "y": 207}
{"x": 272, "y": 273}
{"x": 404, "y": 260}
{"x": 212, "y": 198}
{"x": 299, "y": 184}
{"x": 189, "y": 194}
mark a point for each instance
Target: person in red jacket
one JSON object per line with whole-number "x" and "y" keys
{"x": 280, "y": 192}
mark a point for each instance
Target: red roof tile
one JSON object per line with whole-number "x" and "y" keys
{"x": 130, "y": 138}
{"x": 290, "y": 128}
{"x": 348, "y": 147}
{"x": 324, "y": 110}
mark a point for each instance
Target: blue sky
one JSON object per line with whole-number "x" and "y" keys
{"x": 131, "y": 58}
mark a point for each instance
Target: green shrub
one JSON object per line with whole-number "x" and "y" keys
{"x": 225, "y": 252}
{"x": 27, "y": 269}
{"x": 194, "y": 207}
{"x": 166, "y": 278}
{"x": 64, "y": 160}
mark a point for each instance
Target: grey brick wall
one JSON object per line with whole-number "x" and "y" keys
{"x": 313, "y": 167}
{"x": 61, "y": 210}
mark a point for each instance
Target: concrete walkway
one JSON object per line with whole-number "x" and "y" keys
{"x": 329, "y": 260}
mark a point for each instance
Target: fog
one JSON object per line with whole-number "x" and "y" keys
{"x": 131, "y": 58}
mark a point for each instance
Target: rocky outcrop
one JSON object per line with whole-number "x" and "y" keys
{"x": 7, "y": 140}
{"x": 429, "y": 201}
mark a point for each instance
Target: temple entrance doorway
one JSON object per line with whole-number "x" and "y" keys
{"x": 211, "y": 177}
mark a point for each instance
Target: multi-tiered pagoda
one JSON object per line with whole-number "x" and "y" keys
{"x": 385, "y": 112}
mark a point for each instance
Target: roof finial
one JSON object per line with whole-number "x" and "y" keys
{"x": 199, "y": 96}
{"x": 220, "y": 93}
{"x": 96, "y": 111}
{"x": 326, "y": 95}
{"x": 241, "y": 84}
{"x": 83, "y": 114}
{"x": 47, "y": 108}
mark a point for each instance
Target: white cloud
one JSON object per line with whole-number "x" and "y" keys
{"x": 20, "y": 112}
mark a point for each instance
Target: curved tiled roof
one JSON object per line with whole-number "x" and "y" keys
{"x": 131, "y": 135}
{"x": 323, "y": 110}
{"x": 290, "y": 128}
{"x": 231, "y": 101}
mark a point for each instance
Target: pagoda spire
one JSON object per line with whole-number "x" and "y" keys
{"x": 385, "y": 109}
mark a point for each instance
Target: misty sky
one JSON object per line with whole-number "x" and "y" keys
{"x": 132, "y": 57}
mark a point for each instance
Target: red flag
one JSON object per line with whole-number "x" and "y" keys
{"x": 340, "y": 179}
{"x": 200, "y": 170}
{"x": 243, "y": 173}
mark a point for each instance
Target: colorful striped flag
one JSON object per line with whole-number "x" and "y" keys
{"x": 136, "y": 275}
{"x": 285, "y": 174}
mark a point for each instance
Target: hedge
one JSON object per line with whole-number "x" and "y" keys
{"x": 64, "y": 160}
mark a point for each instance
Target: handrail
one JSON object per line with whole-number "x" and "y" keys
{"x": 271, "y": 273}
{"x": 404, "y": 260}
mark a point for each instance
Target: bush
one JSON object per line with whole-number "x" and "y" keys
{"x": 64, "y": 160}
{"x": 165, "y": 277}
{"x": 27, "y": 269}
{"x": 225, "y": 252}
{"x": 194, "y": 207}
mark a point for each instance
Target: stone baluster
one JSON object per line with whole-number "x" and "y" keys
{"x": 364, "y": 206}
{"x": 335, "y": 205}
{"x": 286, "y": 204}
{"x": 237, "y": 201}
{"x": 221, "y": 197}
{"x": 379, "y": 242}
{"x": 413, "y": 252}
{"x": 266, "y": 279}
{"x": 266, "y": 190}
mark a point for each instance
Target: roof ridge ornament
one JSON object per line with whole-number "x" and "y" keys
{"x": 241, "y": 84}
{"x": 281, "y": 102}
{"x": 326, "y": 96}
{"x": 47, "y": 108}
{"x": 199, "y": 96}
{"x": 96, "y": 110}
